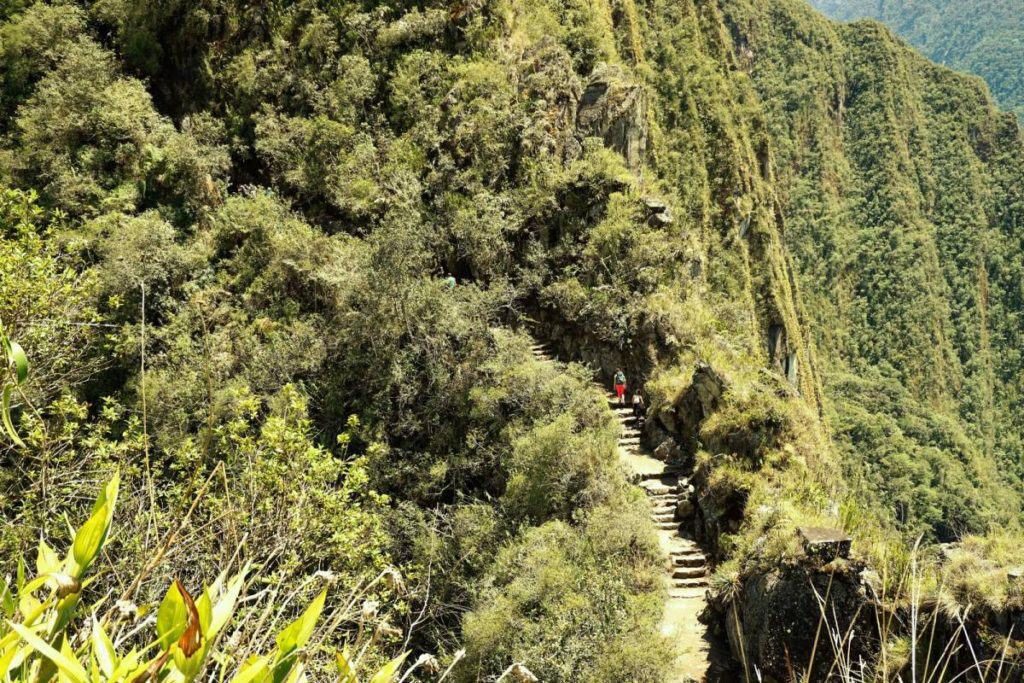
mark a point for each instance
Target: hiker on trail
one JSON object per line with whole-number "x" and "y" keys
{"x": 639, "y": 408}
{"x": 450, "y": 281}
{"x": 620, "y": 386}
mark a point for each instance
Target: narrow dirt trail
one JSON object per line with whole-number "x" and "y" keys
{"x": 685, "y": 562}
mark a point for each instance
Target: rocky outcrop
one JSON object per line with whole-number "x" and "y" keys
{"x": 614, "y": 109}
{"x": 681, "y": 420}
{"x": 658, "y": 213}
{"x": 774, "y": 617}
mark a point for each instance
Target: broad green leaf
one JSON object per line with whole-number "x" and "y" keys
{"x": 93, "y": 534}
{"x": 6, "y": 659}
{"x": 128, "y": 664}
{"x": 298, "y": 675}
{"x": 283, "y": 666}
{"x": 66, "y": 609}
{"x": 8, "y": 603}
{"x": 89, "y": 540}
{"x": 20, "y": 361}
{"x": 298, "y": 633}
{"x": 103, "y": 649}
{"x": 27, "y": 604}
{"x": 346, "y": 673}
{"x": 171, "y": 618}
{"x": 5, "y": 416}
{"x": 69, "y": 666}
{"x": 189, "y": 667}
{"x": 94, "y": 671}
{"x": 108, "y": 495}
{"x": 225, "y": 607}
{"x": 47, "y": 560}
{"x": 254, "y": 670}
{"x": 390, "y": 670}
{"x": 204, "y": 607}
{"x": 69, "y": 654}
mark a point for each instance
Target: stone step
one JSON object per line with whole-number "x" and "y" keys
{"x": 667, "y": 526}
{"x": 668, "y": 505}
{"x": 682, "y": 547}
{"x": 689, "y": 573}
{"x": 690, "y": 583}
{"x": 657, "y": 489}
{"x": 664, "y": 499}
{"x": 659, "y": 478}
{"x": 688, "y": 560}
{"x": 684, "y": 550}
{"x": 669, "y": 516}
{"x": 687, "y": 593}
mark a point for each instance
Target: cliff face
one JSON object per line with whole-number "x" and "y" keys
{"x": 863, "y": 207}
{"x": 902, "y": 200}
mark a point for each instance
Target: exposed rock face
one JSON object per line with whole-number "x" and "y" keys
{"x": 776, "y": 616}
{"x": 667, "y": 451}
{"x": 694, "y": 406}
{"x": 615, "y": 109}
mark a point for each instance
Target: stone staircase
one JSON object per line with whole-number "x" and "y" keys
{"x": 668, "y": 492}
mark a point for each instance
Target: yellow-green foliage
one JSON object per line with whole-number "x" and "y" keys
{"x": 40, "y": 626}
{"x": 248, "y": 215}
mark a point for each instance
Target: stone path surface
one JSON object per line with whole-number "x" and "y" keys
{"x": 685, "y": 563}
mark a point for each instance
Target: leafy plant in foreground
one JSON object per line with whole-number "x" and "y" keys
{"x": 38, "y": 639}
{"x": 15, "y": 374}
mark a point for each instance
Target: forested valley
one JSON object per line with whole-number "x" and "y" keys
{"x": 309, "y": 310}
{"x": 983, "y": 37}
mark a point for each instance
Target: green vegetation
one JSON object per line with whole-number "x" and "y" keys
{"x": 985, "y": 37}
{"x": 37, "y": 639}
{"x": 228, "y": 277}
{"x": 225, "y": 236}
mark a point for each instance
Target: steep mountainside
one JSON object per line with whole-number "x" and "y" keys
{"x": 983, "y": 37}
{"x": 281, "y": 264}
{"x": 904, "y": 215}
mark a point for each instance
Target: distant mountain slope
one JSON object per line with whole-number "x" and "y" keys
{"x": 900, "y": 182}
{"x": 983, "y": 37}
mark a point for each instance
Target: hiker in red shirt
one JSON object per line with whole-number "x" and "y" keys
{"x": 620, "y": 386}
